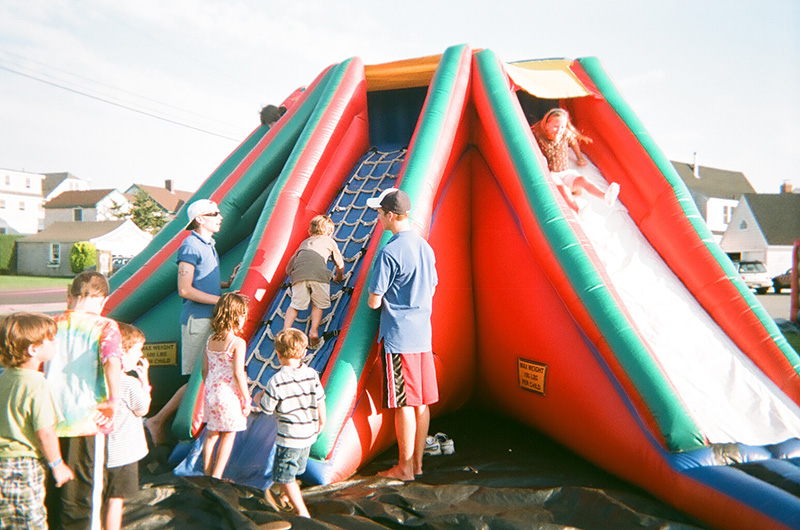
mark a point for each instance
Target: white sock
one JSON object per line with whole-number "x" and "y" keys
{"x": 611, "y": 194}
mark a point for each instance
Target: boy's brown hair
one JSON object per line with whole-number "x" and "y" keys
{"x": 18, "y": 331}
{"x": 131, "y": 335}
{"x": 89, "y": 283}
{"x": 321, "y": 225}
{"x": 291, "y": 343}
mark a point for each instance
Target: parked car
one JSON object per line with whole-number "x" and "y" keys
{"x": 755, "y": 275}
{"x": 782, "y": 281}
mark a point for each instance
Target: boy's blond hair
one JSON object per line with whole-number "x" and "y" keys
{"x": 131, "y": 335}
{"x": 18, "y": 331}
{"x": 89, "y": 283}
{"x": 291, "y": 343}
{"x": 321, "y": 225}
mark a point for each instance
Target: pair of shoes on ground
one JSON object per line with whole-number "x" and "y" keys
{"x": 439, "y": 444}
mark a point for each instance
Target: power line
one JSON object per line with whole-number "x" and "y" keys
{"x": 120, "y": 90}
{"x": 126, "y": 107}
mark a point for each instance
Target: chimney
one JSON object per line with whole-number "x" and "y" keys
{"x": 786, "y": 187}
{"x": 168, "y": 185}
{"x": 695, "y": 167}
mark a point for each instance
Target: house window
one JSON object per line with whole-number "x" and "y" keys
{"x": 55, "y": 255}
{"x": 743, "y": 225}
{"x": 3, "y": 204}
{"x": 21, "y": 205}
{"x": 8, "y": 180}
{"x": 27, "y": 182}
{"x": 77, "y": 214}
{"x": 727, "y": 212}
{"x": 3, "y": 230}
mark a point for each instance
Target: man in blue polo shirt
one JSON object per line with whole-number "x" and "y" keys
{"x": 402, "y": 286}
{"x": 200, "y": 287}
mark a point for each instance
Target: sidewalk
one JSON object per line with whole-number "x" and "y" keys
{"x": 49, "y": 308}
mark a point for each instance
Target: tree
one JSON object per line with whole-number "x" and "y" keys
{"x": 146, "y": 214}
{"x": 82, "y": 255}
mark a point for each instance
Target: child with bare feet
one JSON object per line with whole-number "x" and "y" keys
{"x": 227, "y": 399}
{"x": 295, "y": 395}
{"x": 310, "y": 276}
{"x": 555, "y": 135}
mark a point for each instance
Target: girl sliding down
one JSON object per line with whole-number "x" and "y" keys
{"x": 227, "y": 401}
{"x": 555, "y": 135}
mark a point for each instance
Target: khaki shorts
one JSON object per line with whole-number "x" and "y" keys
{"x": 194, "y": 335}
{"x": 317, "y": 293}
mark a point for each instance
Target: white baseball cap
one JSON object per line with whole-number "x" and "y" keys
{"x": 200, "y": 207}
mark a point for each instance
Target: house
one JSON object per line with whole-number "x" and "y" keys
{"x": 715, "y": 192}
{"x": 764, "y": 227}
{"x": 57, "y": 183}
{"x": 47, "y": 253}
{"x": 86, "y": 205}
{"x": 21, "y": 202}
{"x": 167, "y": 198}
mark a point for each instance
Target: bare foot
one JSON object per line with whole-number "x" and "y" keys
{"x": 156, "y": 432}
{"x": 397, "y": 473}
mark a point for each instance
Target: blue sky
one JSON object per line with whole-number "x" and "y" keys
{"x": 721, "y": 78}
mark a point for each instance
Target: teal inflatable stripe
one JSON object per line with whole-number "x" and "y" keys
{"x": 235, "y": 206}
{"x": 346, "y": 372}
{"x": 327, "y": 91}
{"x": 594, "y": 68}
{"x": 678, "y": 428}
{"x": 174, "y": 227}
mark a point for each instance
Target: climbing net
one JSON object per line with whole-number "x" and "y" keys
{"x": 355, "y": 223}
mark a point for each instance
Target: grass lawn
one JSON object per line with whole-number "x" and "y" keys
{"x": 13, "y": 283}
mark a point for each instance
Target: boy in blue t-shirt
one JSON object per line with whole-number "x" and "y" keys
{"x": 402, "y": 285}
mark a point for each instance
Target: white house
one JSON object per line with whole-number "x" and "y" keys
{"x": 715, "y": 192}
{"x": 21, "y": 202}
{"x": 47, "y": 253}
{"x": 764, "y": 227}
{"x": 87, "y": 205}
{"x": 57, "y": 183}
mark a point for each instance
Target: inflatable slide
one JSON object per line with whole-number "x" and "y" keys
{"x": 623, "y": 332}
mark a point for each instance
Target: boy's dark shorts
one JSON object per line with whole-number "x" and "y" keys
{"x": 122, "y": 481}
{"x": 289, "y": 462}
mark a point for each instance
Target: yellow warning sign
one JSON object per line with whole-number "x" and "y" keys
{"x": 532, "y": 375}
{"x": 161, "y": 353}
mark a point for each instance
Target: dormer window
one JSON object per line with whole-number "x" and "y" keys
{"x": 77, "y": 214}
{"x": 743, "y": 225}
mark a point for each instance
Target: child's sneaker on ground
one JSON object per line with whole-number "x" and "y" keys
{"x": 432, "y": 447}
{"x": 446, "y": 444}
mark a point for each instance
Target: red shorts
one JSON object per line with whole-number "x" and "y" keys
{"x": 409, "y": 380}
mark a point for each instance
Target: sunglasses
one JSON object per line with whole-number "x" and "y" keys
{"x": 214, "y": 214}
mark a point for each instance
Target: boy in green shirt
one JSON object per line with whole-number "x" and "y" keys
{"x": 27, "y": 421}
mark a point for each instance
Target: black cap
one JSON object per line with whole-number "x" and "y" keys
{"x": 392, "y": 200}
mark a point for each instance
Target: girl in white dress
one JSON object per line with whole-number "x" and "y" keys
{"x": 227, "y": 401}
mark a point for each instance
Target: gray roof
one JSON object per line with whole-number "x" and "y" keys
{"x": 51, "y": 180}
{"x": 778, "y": 215}
{"x": 713, "y": 182}
{"x": 71, "y": 231}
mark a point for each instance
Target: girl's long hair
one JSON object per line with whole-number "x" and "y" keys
{"x": 558, "y": 111}
{"x": 229, "y": 309}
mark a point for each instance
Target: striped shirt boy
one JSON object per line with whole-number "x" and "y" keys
{"x": 294, "y": 395}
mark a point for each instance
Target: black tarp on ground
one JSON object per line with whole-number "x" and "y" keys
{"x": 502, "y": 476}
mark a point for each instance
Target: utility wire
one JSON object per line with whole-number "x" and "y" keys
{"x": 121, "y": 90}
{"x": 145, "y": 113}
{"x": 192, "y": 57}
